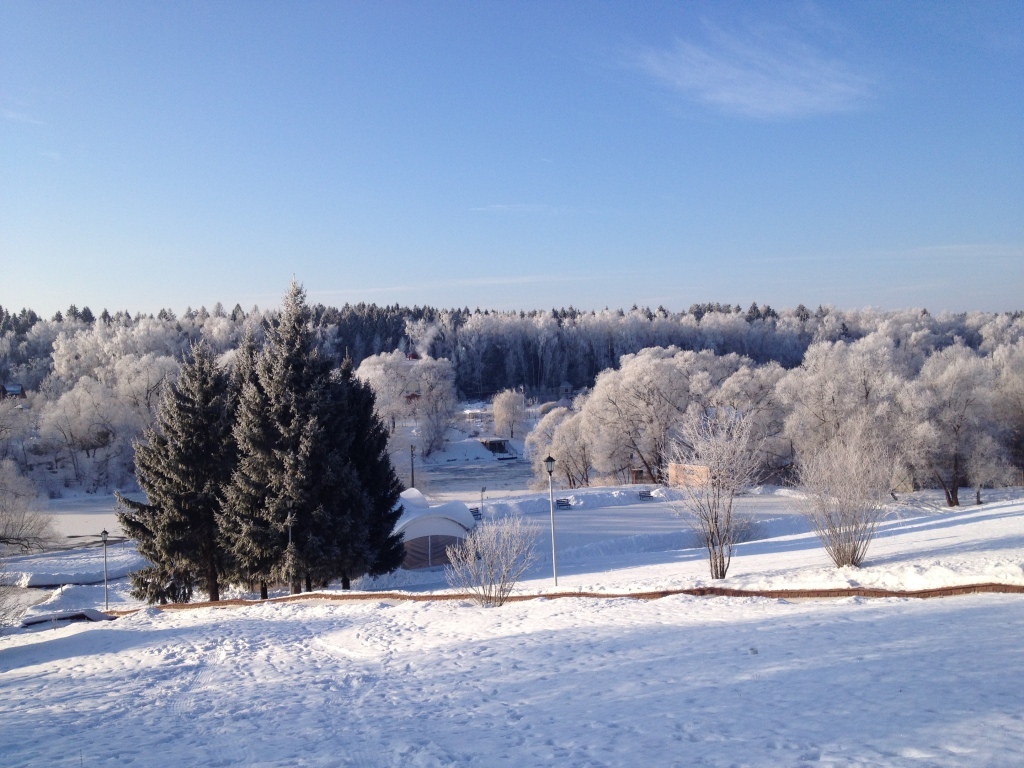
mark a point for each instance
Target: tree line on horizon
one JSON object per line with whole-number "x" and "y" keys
{"x": 93, "y": 382}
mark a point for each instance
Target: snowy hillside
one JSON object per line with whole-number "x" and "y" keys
{"x": 573, "y": 681}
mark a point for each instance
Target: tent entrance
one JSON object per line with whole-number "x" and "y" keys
{"x": 427, "y": 551}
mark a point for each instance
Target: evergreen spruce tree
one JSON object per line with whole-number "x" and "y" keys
{"x": 246, "y": 523}
{"x": 383, "y": 489}
{"x": 277, "y": 526}
{"x": 182, "y": 465}
{"x": 304, "y": 473}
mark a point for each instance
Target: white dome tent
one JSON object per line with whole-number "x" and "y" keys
{"x": 429, "y": 530}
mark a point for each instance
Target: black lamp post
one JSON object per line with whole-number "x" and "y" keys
{"x": 549, "y": 465}
{"x": 291, "y": 553}
{"x": 103, "y": 538}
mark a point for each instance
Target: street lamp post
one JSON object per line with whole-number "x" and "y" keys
{"x": 482, "y": 492}
{"x": 291, "y": 553}
{"x": 412, "y": 466}
{"x": 549, "y": 464}
{"x": 106, "y": 600}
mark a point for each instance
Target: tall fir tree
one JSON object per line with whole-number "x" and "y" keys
{"x": 246, "y": 522}
{"x": 372, "y": 463}
{"x": 182, "y": 464}
{"x": 305, "y": 500}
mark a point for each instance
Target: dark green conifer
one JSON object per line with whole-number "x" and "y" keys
{"x": 377, "y": 476}
{"x": 309, "y": 468}
{"x": 246, "y": 524}
{"x": 182, "y": 464}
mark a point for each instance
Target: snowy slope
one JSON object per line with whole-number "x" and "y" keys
{"x": 574, "y": 681}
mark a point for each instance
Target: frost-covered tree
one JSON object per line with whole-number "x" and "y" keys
{"x": 839, "y": 383}
{"x": 488, "y": 563}
{"x": 561, "y": 434}
{"x": 571, "y": 451}
{"x": 1008, "y": 360}
{"x": 538, "y": 442}
{"x": 22, "y": 529}
{"x": 752, "y": 391}
{"x": 388, "y": 374}
{"x": 183, "y": 464}
{"x": 509, "y": 409}
{"x": 949, "y": 411}
{"x": 988, "y": 466}
{"x": 436, "y": 402}
{"x": 633, "y": 412}
{"x": 17, "y": 425}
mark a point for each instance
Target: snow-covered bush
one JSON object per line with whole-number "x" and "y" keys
{"x": 846, "y": 485}
{"x": 489, "y": 561}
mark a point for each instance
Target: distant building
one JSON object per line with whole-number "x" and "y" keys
{"x": 687, "y": 475}
{"x": 14, "y": 390}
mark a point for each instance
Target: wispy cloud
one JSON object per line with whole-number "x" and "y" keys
{"x": 764, "y": 74}
{"x": 20, "y": 117}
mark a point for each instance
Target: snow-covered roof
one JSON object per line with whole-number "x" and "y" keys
{"x": 419, "y": 518}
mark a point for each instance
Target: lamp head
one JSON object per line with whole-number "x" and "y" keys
{"x": 549, "y": 464}
{"x": 103, "y": 535}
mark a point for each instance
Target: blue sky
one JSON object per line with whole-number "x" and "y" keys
{"x": 512, "y": 155}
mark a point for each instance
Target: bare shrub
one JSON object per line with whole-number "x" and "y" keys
{"x": 10, "y": 607}
{"x": 721, "y": 447}
{"x": 846, "y": 485}
{"x": 490, "y": 560}
{"x": 22, "y": 529}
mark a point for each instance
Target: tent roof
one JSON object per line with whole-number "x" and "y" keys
{"x": 417, "y": 508}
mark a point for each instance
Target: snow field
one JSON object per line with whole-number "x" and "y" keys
{"x": 82, "y": 565}
{"x": 576, "y": 682}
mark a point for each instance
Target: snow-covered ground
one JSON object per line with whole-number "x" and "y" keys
{"x": 84, "y": 514}
{"x": 82, "y": 565}
{"x": 571, "y": 681}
